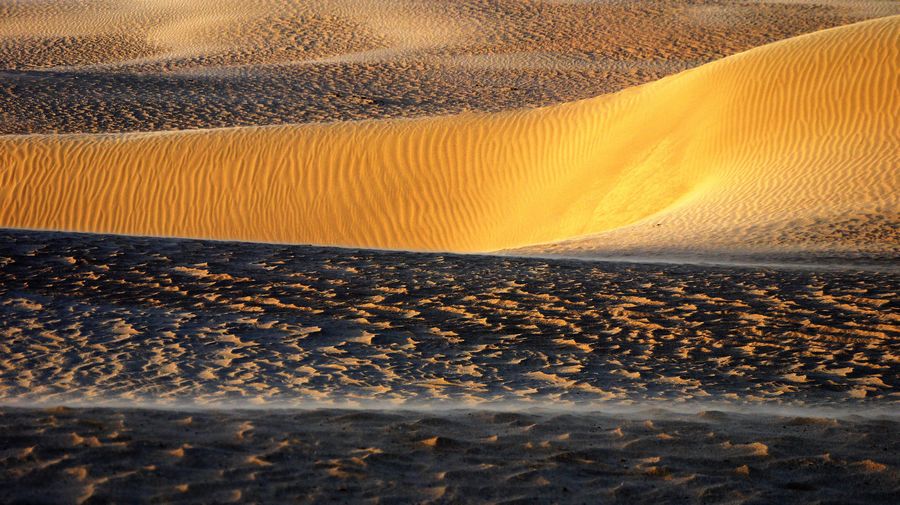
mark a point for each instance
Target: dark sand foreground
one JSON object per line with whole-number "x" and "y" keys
{"x": 104, "y": 319}
{"x": 401, "y": 377}
{"x": 452, "y": 456}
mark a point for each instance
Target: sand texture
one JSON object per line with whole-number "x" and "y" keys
{"x": 99, "y": 66}
{"x": 753, "y": 150}
{"x": 450, "y": 251}
{"x": 405, "y": 377}
{"x": 95, "y": 320}
{"x": 339, "y": 456}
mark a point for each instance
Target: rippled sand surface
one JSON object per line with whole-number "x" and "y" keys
{"x": 791, "y": 146}
{"x": 99, "y": 66}
{"x": 104, "y": 319}
{"x": 733, "y": 164}
{"x": 340, "y": 456}
{"x": 401, "y": 376}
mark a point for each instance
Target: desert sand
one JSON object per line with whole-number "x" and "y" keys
{"x": 589, "y": 251}
{"x": 104, "y": 320}
{"x": 340, "y": 456}
{"x": 94, "y": 66}
{"x": 748, "y": 151}
{"x": 448, "y": 378}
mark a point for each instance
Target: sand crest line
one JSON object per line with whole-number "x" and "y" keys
{"x": 805, "y": 127}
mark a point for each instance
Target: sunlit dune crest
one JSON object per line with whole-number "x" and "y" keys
{"x": 95, "y": 66}
{"x": 799, "y": 131}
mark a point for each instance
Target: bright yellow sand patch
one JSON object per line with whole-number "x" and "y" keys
{"x": 803, "y": 127}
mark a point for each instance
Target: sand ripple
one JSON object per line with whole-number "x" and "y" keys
{"x": 100, "y": 66}
{"x": 94, "y": 319}
{"x": 727, "y": 155}
{"x": 336, "y": 456}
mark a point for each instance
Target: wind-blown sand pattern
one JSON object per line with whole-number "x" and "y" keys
{"x": 339, "y": 456}
{"x": 169, "y": 322}
{"x": 690, "y": 209}
{"x": 97, "y": 66}
{"x": 814, "y": 139}
{"x": 101, "y": 320}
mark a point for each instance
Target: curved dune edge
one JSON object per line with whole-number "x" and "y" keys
{"x": 804, "y": 127}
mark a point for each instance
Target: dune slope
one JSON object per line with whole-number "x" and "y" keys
{"x": 96, "y": 66}
{"x": 804, "y": 128}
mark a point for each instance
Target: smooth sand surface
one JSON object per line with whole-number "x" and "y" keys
{"x": 755, "y": 150}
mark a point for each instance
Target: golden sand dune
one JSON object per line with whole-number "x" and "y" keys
{"x": 799, "y": 131}
{"x": 95, "y": 66}
{"x": 166, "y": 34}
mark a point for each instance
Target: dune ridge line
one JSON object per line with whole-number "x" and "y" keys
{"x": 805, "y": 127}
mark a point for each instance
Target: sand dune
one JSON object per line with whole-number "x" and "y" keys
{"x": 798, "y": 131}
{"x": 862, "y": 7}
{"x": 146, "y": 369}
{"x": 141, "y": 32}
{"x": 94, "y": 66}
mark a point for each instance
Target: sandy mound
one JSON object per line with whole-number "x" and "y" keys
{"x": 95, "y": 66}
{"x": 800, "y": 131}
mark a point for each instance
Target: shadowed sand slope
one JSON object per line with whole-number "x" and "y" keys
{"x": 804, "y": 128}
